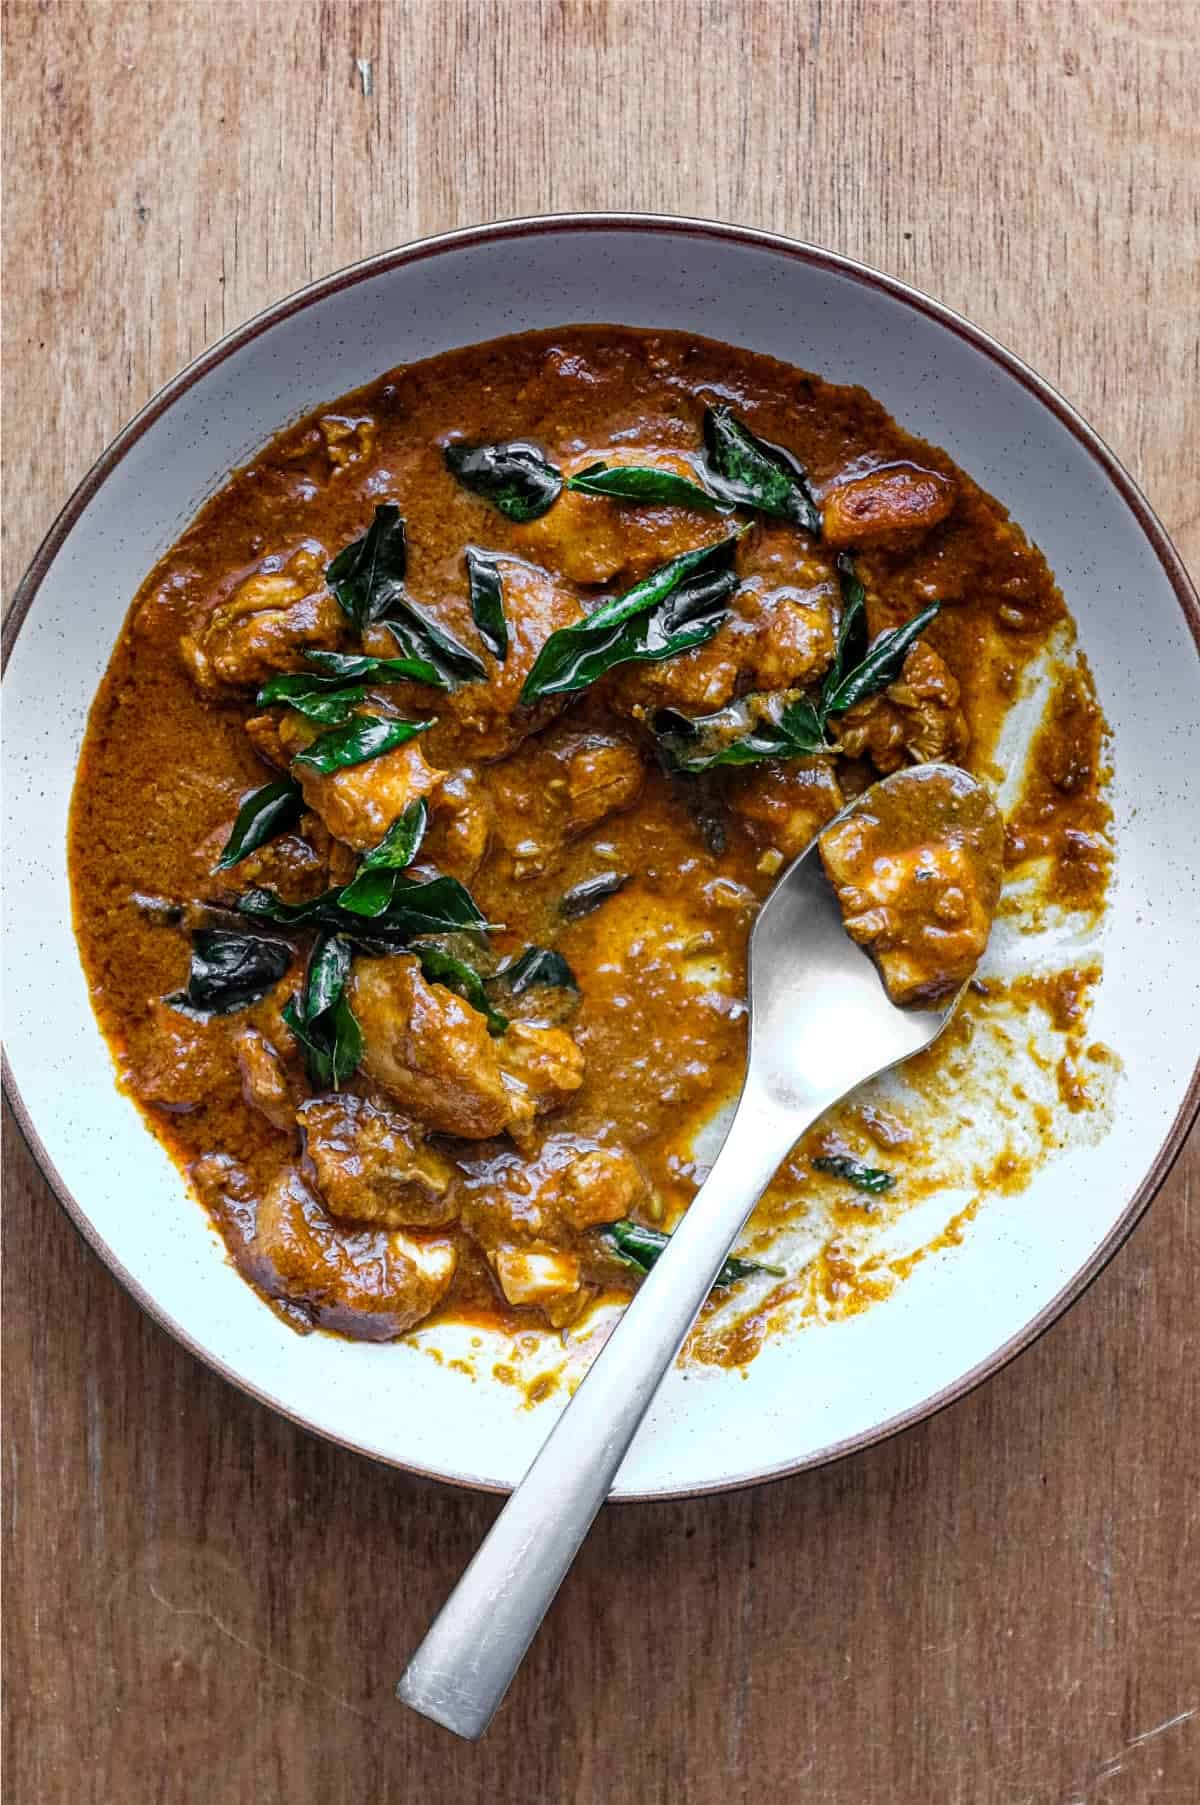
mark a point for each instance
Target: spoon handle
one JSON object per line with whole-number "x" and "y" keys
{"x": 463, "y": 1668}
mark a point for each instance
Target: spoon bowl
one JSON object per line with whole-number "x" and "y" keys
{"x": 821, "y": 1023}
{"x": 820, "y": 1019}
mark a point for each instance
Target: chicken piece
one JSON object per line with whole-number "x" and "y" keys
{"x": 372, "y": 1283}
{"x": 542, "y": 1066}
{"x": 601, "y": 1186}
{"x": 603, "y": 775}
{"x": 487, "y": 721}
{"x": 895, "y": 498}
{"x": 579, "y": 539}
{"x": 536, "y": 1275}
{"x": 264, "y": 626}
{"x": 264, "y": 1081}
{"x": 429, "y": 1051}
{"x": 785, "y": 802}
{"x": 433, "y": 1054}
{"x": 917, "y": 717}
{"x": 779, "y": 633}
{"x": 787, "y": 600}
{"x": 360, "y": 803}
{"x": 184, "y": 1060}
{"x": 460, "y": 825}
{"x": 289, "y": 864}
{"x": 372, "y": 1165}
{"x": 262, "y": 730}
{"x": 793, "y": 645}
{"x": 696, "y": 682}
{"x": 916, "y": 867}
{"x": 590, "y": 539}
{"x": 349, "y": 439}
{"x": 340, "y": 861}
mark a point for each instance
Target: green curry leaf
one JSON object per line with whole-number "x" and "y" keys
{"x": 748, "y": 472}
{"x": 639, "y": 482}
{"x": 881, "y": 666}
{"x": 371, "y": 889}
{"x": 230, "y": 971}
{"x": 537, "y": 965}
{"x": 514, "y": 477}
{"x": 325, "y": 699}
{"x": 441, "y": 967}
{"x": 362, "y": 737}
{"x": 863, "y": 1178}
{"x": 367, "y": 578}
{"x": 263, "y": 814}
{"x": 781, "y": 723}
{"x": 414, "y": 907}
{"x": 355, "y": 667}
{"x": 321, "y": 1017}
{"x": 773, "y": 724}
{"x": 851, "y": 641}
{"x": 583, "y": 898}
{"x": 642, "y": 1247}
{"x": 487, "y": 600}
{"x": 676, "y": 607}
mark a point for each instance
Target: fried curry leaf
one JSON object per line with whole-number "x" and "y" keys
{"x": 748, "y": 472}
{"x": 359, "y": 667}
{"x": 514, "y": 477}
{"x": 774, "y": 724}
{"x": 373, "y": 885}
{"x": 441, "y": 967}
{"x": 781, "y": 724}
{"x": 325, "y": 699}
{"x": 591, "y": 893}
{"x": 328, "y": 969}
{"x": 639, "y": 482}
{"x": 367, "y": 578}
{"x": 416, "y": 906}
{"x": 263, "y": 814}
{"x": 420, "y": 638}
{"x": 678, "y": 606}
{"x": 641, "y": 1248}
{"x": 536, "y": 965}
{"x": 863, "y": 1178}
{"x": 881, "y": 666}
{"x": 487, "y": 600}
{"x": 230, "y": 971}
{"x": 851, "y": 641}
{"x": 363, "y": 737}
{"x": 321, "y": 1017}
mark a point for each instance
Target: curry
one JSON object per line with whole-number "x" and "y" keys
{"x": 442, "y": 764}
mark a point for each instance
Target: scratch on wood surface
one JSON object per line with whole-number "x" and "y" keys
{"x": 1181, "y": 1717}
{"x": 1116, "y": 1764}
{"x": 95, "y": 1454}
{"x": 260, "y": 1654}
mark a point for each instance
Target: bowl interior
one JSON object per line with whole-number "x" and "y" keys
{"x": 806, "y": 1394}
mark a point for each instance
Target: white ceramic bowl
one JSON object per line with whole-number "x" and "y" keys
{"x": 809, "y": 1396}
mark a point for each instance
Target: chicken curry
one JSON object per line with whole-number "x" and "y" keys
{"x": 442, "y": 764}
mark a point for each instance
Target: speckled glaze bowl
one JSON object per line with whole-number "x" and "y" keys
{"x": 810, "y": 1396}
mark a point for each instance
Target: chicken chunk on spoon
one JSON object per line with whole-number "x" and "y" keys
{"x": 916, "y": 867}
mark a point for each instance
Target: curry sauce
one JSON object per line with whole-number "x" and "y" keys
{"x": 391, "y": 654}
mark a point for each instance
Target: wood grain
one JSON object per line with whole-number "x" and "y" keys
{"x": 204, "y": 1605}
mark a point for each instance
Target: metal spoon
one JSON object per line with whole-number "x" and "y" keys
{"x": 820, "y": 1024}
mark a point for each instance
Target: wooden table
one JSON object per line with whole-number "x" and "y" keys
{"x": 203, "y": 1603}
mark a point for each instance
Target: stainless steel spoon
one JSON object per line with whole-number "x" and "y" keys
{"x": 820, "y": 1024}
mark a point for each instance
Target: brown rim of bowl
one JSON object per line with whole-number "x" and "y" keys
{"x": 657, "y": 224}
